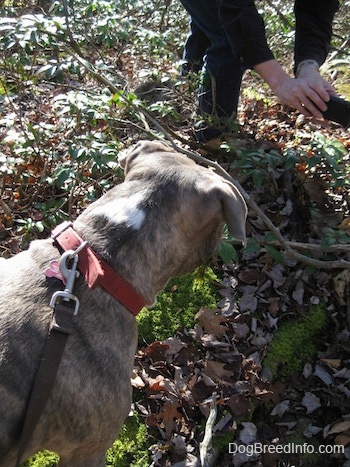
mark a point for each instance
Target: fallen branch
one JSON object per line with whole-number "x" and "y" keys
{"x": 206, "y": 453}
{"x": 315, "y": 247}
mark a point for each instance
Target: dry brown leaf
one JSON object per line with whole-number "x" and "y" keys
{"x": 311, "y": 402}
{"x": 341, "y": 282}
{"x": 216, "y": 371}
{"x": 274, "y": 305}
{"x": 344, "y": 373}
{"x": 345, "y": 224}
{"x": 239, "y": 404}
{"x": 174, "y": 345}
{"x": 168, "y": 415}
{"x": 241, "y": 330}
{"x": 332, "y": 362}
{"x": 323, "y": 375}
{"x": 136, "y": 380}
{"x": 209, "y": 340}
{"x": 280, "y": 408}
{"x": 248, "y": 301}
{"x": 249, "y": 276}
{"x": 342, "y": 440}
{"x": 156, "y": 384}
{"x": 211, "y": 321}
{"x": 339, "y": 427}
{"x": 156, "y": 351}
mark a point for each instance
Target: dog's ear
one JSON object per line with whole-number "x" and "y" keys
{"x": 235, "y": 211}
{"x": 224, "y": 197}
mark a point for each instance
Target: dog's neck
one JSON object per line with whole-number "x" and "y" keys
{"x": 96, "y": 271}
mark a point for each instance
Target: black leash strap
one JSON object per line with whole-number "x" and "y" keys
{"x": 60, "y": 328}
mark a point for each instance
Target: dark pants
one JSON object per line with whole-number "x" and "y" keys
{"x": 222, "y": 70}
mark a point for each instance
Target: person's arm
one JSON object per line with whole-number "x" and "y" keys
{"x": 313, "y": 30}
{"x": 245, "y": 30}
{"x": 309, "y": 92}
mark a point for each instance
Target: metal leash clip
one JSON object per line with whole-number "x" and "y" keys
{"x": 70, "y": 274}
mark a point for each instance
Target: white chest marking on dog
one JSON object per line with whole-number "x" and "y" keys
{"x": 125, "y": 210}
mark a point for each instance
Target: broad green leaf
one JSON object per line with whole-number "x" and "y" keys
{"x": 275, "y": 254}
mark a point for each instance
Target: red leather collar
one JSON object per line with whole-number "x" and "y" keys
{"x": 96, "y": 271}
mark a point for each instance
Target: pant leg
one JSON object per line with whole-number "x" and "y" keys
{"x": 194, "y": 50}
{"x": 221, "y": 75}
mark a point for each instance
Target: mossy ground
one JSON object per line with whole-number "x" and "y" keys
{"x": 177, "y": 305}
{"x": 132, "y": 446}
{"x": 42, "y": 459}
{"x": 129, "y": 450}
{"x": 295, "y": 343}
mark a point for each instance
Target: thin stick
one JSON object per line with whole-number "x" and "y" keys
{"x": 205, "y": 447}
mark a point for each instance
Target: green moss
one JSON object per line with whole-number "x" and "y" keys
{"x": 295, "y": 343}
{"x": 307, "y": 448}
{"x": 222, "y": 441}
{"x": 131, "y": 447}
{"x": 42, "y": 459}
{"x": 177, "y": 305}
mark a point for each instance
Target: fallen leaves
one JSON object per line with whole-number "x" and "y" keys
{"x": 224, "y": 354}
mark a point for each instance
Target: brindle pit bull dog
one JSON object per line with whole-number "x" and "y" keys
{"x": 163, "y": 221}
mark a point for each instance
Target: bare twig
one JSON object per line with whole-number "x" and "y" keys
{"x": 317, "y": 248}
{"x": 205, "y": 447}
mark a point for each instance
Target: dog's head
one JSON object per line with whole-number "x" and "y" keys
{"x": 218, "y": 200}
{"x": 166, "y": 218}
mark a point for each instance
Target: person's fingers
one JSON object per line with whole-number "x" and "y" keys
{"x": 330, "y": 89}
{"x": 303, "y": 109}
{"x": 304, "y": 99}
{"x": 314, "y": 96}
{"x": 313, "y": 110}
{"x": 315, "y": 103}
{"x": 318, "y": 90}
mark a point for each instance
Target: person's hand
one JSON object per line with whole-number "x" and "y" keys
{"x": 313, "y": 90}
{"x": 308, "y": 93}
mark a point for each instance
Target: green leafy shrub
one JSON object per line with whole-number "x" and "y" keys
{"x": 330, "y": 157}
{"x": 258, "y": 163}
